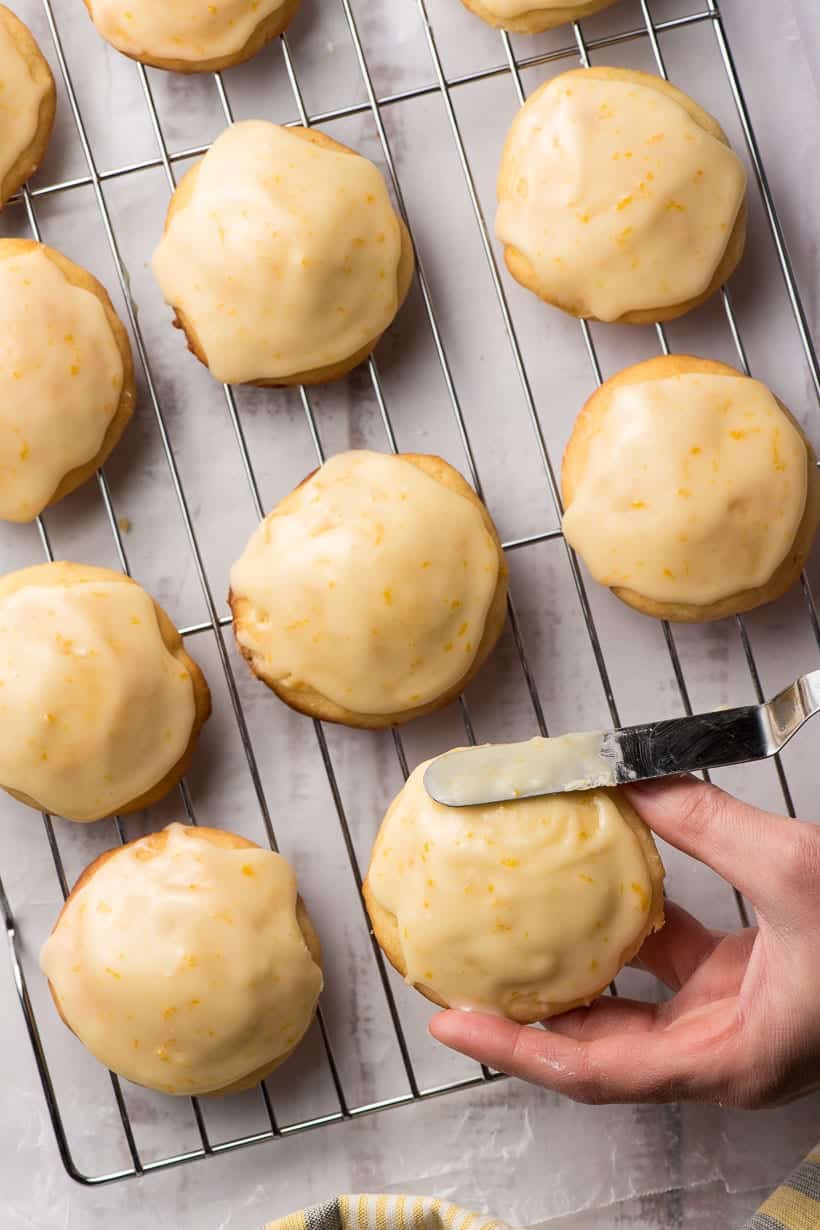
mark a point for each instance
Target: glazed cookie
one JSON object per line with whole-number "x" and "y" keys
{"x": 619, "y": 198}
{"x": 66, "y": 377}
{"x": 186, "y": 961}
{"x": 374, "y": 592}
{"x": 100, "y": 704}
{"x": 282, "y": 256}
{"x": 690, "y": 490}
{"x": 27, "y": 104}
{"x": 186, "y": 36}
{"x": 533, "y": 16}
{"x": 525, "y": 909}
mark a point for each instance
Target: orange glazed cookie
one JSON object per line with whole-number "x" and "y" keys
{"x": 525, "y": 909}
{"x": 66, "y": 377}
{"x": 27, "y": 103}
{"x": 101, "y": 706}
{"x": 619, "y": 198}
{"x": 690, "y": 490}
{"x": 282, "y": 256}
{"x": 186, "y": 36}
{"x": 533, "y": 16}
{"x": 186, "y": 961}
{"x": 374, "y": 592}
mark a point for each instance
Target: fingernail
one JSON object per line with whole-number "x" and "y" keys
{"x": 652, "y": 786}
{"x": 656, "y": 785}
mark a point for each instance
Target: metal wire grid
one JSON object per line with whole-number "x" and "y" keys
{"x": 511, "y": 66}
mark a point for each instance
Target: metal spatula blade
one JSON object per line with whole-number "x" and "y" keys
{"x": 498, "y": 773}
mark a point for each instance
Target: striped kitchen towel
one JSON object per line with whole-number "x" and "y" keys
{"x": 796, "y": 1203}
{"x": 794, "y": 1206}
{"x": 386, "y": 1213}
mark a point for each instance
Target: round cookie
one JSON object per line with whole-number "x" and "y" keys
{"x": 101, "y": 706}
{"x": 67, "y": 387}
{"x": 533, "y": 16}
{"x": 523, "y": 909}
{"x": 282, "y": 278}
{"x": 690, "y": 490}
{"x": 619, "y": 198}
{"x": 184, "y": 36}
{"x": 374, "y": 592}
{"x": 186, "y": 961}
{"x": 27, "y": 104}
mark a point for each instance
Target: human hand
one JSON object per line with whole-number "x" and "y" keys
{"x": 743, "y": 1028}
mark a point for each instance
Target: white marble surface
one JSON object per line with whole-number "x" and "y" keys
{"x": 513, "y": 1149}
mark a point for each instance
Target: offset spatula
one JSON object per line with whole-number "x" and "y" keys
{"x": 498, "y": 773}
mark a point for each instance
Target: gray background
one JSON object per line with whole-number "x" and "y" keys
{"x": 520, "y": 1152}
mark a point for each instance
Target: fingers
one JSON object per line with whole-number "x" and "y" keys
{"x": 675, "y": 952}
{"x": 640, "y": 1063}
{"x": 720, "y": 977}
{"x": 606, "y": 1016}
{"x": 769, "y": 858}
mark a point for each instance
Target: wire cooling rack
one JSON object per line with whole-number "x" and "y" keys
{"x": 446, "y": 89}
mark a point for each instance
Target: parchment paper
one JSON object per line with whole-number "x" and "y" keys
{"x": 515, "y": 1150}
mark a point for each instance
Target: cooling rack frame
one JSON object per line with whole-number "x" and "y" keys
{"x": 575, "y": 51}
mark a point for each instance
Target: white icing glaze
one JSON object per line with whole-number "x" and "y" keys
{"x": 185, "y": 30}
{"x": 536, "y": 897}
{"x": 618, "y": 199}
{"x": 286, "y": 257}
{"x": 496, "y": 772}
{"x": 184, "y": 968}
{"x": 693, "y": 489}
{"x": 61, "y": 377}
{"x": 94, "y": 710}
{"x": 20, "y": 100}
{"x": 372, "y": 585}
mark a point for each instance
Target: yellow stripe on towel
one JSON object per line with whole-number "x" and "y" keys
{"x": 794, "y": 1210}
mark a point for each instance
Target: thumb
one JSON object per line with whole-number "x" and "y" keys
{"x": 772, "y": 860}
